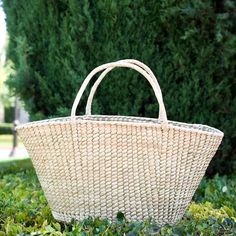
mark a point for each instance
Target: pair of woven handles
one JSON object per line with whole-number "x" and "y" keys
{"x": 128, "y": 63}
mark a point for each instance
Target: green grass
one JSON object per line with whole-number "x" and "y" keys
{"x": 24, "y": 210}
{"x": 6, "y": 141}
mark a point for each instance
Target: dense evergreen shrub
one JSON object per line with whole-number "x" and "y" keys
{"x": 190, "y": 45}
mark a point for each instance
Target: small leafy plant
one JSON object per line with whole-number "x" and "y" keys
{"x": 24, "y": 210}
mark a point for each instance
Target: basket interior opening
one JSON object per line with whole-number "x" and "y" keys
{"x": 144, "y": 120}
{"x": 127, "y": 119}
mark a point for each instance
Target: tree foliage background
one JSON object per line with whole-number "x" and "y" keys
{"x": 190, "y": 46}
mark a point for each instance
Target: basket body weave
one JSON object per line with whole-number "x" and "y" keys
{"x": 100, "y": 165}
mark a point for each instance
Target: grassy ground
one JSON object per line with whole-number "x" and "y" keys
{"x": 24, "y": 210}
{"x": 6, "y": 141}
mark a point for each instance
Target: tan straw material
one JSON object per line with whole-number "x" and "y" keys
{"x": 97, "y": 165}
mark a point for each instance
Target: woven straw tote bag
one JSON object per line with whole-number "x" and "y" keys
{"x": 96, "y": 165}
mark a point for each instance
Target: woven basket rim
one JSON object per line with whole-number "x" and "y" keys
{"x": 133, "y": 120}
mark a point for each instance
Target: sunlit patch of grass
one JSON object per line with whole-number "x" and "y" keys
{"x": 6, "y": 140}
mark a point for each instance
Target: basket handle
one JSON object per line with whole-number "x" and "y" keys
{"x": 110, "y": 66}
{"x": 100, "y": 78}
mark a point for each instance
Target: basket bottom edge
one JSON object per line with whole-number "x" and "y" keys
{"x": 68, "y": 218}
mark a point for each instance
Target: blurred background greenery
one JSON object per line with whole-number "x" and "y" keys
{"x": 189, "y": 45}
{"x": 51, "y": 47}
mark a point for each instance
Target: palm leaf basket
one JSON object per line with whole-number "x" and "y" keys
{"x": 96, "y": 165}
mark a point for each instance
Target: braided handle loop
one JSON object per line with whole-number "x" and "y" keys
{"x": 129, "y": 63}
{"x": 100, "y": 78}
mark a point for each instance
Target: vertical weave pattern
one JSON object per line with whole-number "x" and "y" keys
{"x": 100, "y": 165}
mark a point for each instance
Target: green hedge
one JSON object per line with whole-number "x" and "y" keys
{"x": 6, "y": 128}
{"x": 24, "y": 210}
{"x": 8, "y": 114}
{"x": 190, "y": 45}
